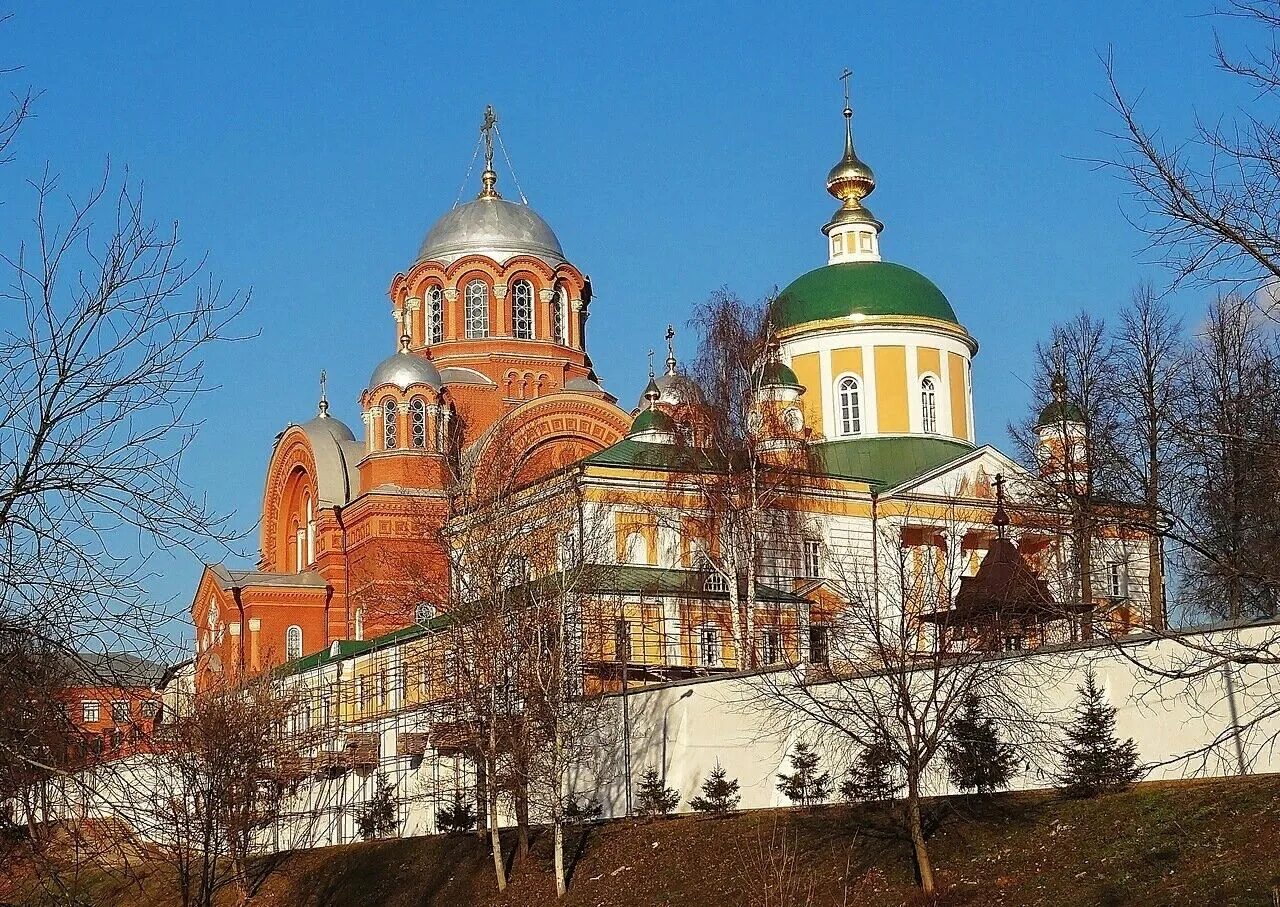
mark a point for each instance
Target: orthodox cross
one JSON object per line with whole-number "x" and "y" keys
{"x": 671, "y": 350}
{"x": 486, "y": 131}
{"x": 324, "y": 393}
{"x": 650, "y": 362}
{"x": 999, "y": 518}
{"x": 844, "y": 77}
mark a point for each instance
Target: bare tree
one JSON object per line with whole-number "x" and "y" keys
{"x": 905, "y": 656}
{"x": 222, "y": 779}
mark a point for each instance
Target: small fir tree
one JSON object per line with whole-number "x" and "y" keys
{"x": 457, "y": 816}
{"x": 653, "y": 797}
{"x": 977, "y": 760}
{"x": 719, "y": 793}
{"x": 804, "y": 786}
{"x": 377, "y": 817}
{"x": 1095, "y": 760}
{"x": 583, "y": 810}
{"x": 873, "y": 777}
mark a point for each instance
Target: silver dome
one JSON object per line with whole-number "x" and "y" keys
{"x": 404, "y": 370}
{"x": 336, "y": 451}
{"x": 494, "y": 227}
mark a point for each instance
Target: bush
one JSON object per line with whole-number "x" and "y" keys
{"x": 653, "y": 797}
{"x": 584, "y": 810}
{"x": 804, "y": 786}
{"x": 719, "y": 793}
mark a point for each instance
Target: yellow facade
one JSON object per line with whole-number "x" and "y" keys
{"x": 959, "y": 396}
{"x": 891, "y": 389}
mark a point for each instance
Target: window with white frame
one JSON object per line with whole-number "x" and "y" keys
{"x": 567, "y": 553}
{"x": 293, "y": 643}
{"x": 1117, "y": 580}
{"x": 423, "y": 612}
{"x": 435, "y": 315}
{"x": 90, "y": 710}
{"x": 837, "y": 244}
{"x": 770, "y": 646}
{"x": 476, "y": 309}
{"x": 709, "y": 646}
{"x": 390, "y": 425}
{"x": 813, "y": 558}
{"x": 418, "y": 423}
{"x": 310, "y": 510}
{"x": 522, "y": 310}
{"x": 849, "y": 408}
{"x": 714, "y": 580}
{"x": 928, "y": 404}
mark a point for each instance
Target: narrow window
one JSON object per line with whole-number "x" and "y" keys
{"x": 522, "y": 310}
{"x": 818, "y": 644}
{"x": 418, "y": 423}
{"x": 435, "y": 315}
{"x": 770, "y": 646}
{"x": 359, "y": 623}
{"x": 635, "y": 549}
{"x": 89, "y": 710}
{"x": 813, "y": 558}
{"x": 120, "y": 710}
{"x": 293, "y": 643}
{"x": 928, "y": 405}
{"x": 866, "y": 242}
{"x": 568, "y": 554}
{"x": 622, "y": 640}
{"x": 477, "y": 309}
{"x": 1116, "y": 581}
{"x": 311, "y": 531}
{"x": 850, "y": 410}
{"x": 837, "y": 244}
{"x": 709, "y": 646}
{"x": 390, "y": 427}
{"x": 558, "y": 319}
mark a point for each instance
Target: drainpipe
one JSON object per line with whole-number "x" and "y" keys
{"x": 328, "y": 600}
{"x": 235, "y": 595}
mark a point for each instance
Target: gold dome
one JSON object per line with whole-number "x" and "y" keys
{"x": 851, "y": 180}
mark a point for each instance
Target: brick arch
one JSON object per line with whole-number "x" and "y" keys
{"x": 290, "y": 476}
{"x": 548, "y": 433}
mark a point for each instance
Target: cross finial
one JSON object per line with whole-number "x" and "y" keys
{"x": 487, "y": 129}
{"x": 844, "y": 77}
{"x": 999, "y": 518}
{"x": 650, "y": 362}
{"x": 324, "y": 394}
{"x": 671, "y": 350}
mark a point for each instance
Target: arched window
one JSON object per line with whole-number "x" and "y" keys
{"x": 293, "y": 643}
{"x": 418, "y": 423}
{"x": 477, "y": 309}
{"x": 928, "y": 404}
{"x": 557, "y": 318}
{"x": 522, "y": 310}
{"x": 390, "y": 427}
{"x": 849, "y": 410}
{"x": 435, "y": 315}
{"x": 309, "y": 508}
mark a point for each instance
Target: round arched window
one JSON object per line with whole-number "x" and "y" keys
{"x": 477, "y": 309}
{"x": 418, "y": 423}
{"x": 390, "y": 428}
{"x": 522, "y": 310}
{"x": 849, "y": 408}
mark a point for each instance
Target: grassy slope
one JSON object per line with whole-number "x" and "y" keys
{"x": 1212, "y": 842}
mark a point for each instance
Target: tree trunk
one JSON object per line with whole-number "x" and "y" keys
{"x": 495, "y": 839}
{"x": 558, "y": 834}
{"x": 923, "y": 864}
{"x": 522, "y": 819}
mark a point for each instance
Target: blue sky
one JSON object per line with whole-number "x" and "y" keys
{"x": 307, "y": 148}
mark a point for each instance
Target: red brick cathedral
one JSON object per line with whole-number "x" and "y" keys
{"x": 489, "y": 343}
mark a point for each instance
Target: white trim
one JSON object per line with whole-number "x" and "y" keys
{"x": 837, "y": 407}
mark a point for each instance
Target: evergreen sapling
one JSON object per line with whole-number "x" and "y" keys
{"x": 872, "y": 778}
{"x": 804, "y": 786}
{"x": 377, "y": 817}
{"x": 1095, "y": 760}
{"x": 719, "y": 793}
{"x": 977, "y": 760}
{"x": 653, "y": 797}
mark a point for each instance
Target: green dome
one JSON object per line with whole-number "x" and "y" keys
{"x": 1058, "y": 412}
{"x": 778, "y": 374}
{"x": 651, "y": 419}
{"x": 859, "y": 287}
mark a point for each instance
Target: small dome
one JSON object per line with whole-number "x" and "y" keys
{"x": 404, "y": 370}
{"x": 859, "y": 288}
{"x": 652, "y": 420}
{"x": 1059, "y": 411}
{"x": 494, "y": 227}
{"x": 778, "y": 374}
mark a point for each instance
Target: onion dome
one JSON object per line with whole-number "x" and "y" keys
{"x": 859, "y": 289}
{"x": 652, "y": 420}
{"x": 1060, "y": 409}
{"x": 851, "y": 180}
{"x": 405, "y": 369}
{"x": 778, "y": 374}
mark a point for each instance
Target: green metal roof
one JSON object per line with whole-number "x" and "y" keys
{"x": 887, "y": 461}
{"x": 647, "y": 455}
{"x": 349, "y": 647}
{"x": 1056, "y": 413}
{"x": 859, "y": 287}
{"x": 779, "y": 374}
{"x": 628, "y": 579}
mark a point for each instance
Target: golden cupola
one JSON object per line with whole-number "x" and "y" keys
{"x": 853, "y": 231}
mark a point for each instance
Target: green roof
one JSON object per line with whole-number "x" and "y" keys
{"x": 628, "y": 579}
{"x": 648, "y": 455}
{"x": 859, "y": 287}
{"x": 349, "y": 647}
{"x": 651, "y": 419}
{"x": 1058, "y": 412}
{"x": 779, "y": 374}
{"x": 887, "y": 461}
